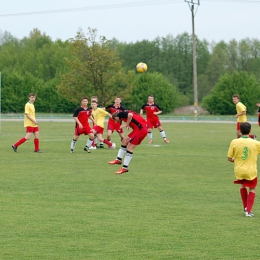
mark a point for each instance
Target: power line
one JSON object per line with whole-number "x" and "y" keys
{"x": 100, "y": 7}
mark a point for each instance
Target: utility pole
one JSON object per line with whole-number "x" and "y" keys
{"x": 191, "y": 5}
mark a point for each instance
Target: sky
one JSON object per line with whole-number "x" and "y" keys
{"x": 132, "y": 20}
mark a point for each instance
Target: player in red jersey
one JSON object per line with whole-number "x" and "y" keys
{"x": 152, "y": 112}
{"x": 112, "y": 125}
{"x": 139, "y": 126}
{"x": 81, "y": 116}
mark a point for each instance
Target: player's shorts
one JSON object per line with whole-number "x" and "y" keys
{"x": 153, "y": 123}
{"x": 247, "y": 183}
{"x": 112, "y": 126}
{"x": 31, "y": 129}
{"x": 85, "y": 130}
{"x": 98, "y": 129}
{"x": 137, "y": 136}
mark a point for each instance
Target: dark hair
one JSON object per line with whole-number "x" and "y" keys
{"x": 32, "y": 95}
{"x": 84, "y": 98}
{"x": 151, "y": 96}
{"x": 115, "y": 115}
{"x": 94, "y": 101}
{"x": 236, "y": 96}
{"x": 245, "y": 128}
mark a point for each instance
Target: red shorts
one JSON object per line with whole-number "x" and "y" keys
{"x": 246, "y": 183}
{"x": 238, "y": 125}
{"x": 98, "y": 129}
{"x": 153, "y": 122}
{"x": 137, "y": 136}
{"x": 30, "y": 129}
{"x": 85, "y": 130}
{"x": 112, "y": 126}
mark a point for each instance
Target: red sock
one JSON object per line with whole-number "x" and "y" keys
{"x": 21, "y": 141}
{"x": 252, "y": 136}
{"x": 243, "y": 193}
{"x": 259, "y": 119}
{"x": 36, "y": 144}
{"x": 107, "y": 142}
{"x": 250, "y": 201}
{"x": 93, "y": 143}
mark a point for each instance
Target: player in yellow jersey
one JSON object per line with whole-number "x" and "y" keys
{"x": 244, "y": 153}
{"x": 240, "y": 115}
{"x": 99, "y": 115}
{"x": 31, "y": 125}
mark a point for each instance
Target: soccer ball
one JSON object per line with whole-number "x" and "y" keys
{"x": 141, "y": 67}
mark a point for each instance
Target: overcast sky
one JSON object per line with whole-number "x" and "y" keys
{"x": 133, "y": 20}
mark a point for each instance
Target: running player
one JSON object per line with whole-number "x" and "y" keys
{"x": 81, "y": 116}
{"x": 139, "y": 126}
{"x": 112, "y": 125}
{"x": 240, "y": 115}
{"x": 99, "y": 115}
{"x": 30, "y": 124}
{"x": 152, "y": 112}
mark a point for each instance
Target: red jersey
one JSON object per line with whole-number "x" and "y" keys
{"x": 150, "y": 109}
{"x": 137, "y": 122}
{"x": 83, "y": 115}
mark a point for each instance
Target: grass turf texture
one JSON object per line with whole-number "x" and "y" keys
{"x": 178, "y": 200}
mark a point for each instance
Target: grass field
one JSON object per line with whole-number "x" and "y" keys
{"x": 178, "y": 200}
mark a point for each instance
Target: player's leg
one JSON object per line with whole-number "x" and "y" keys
{"x": 121, "y": 151}
{"x": 37, "y": 141}
{"x": 89, "y": 142}
{"x": 29, "y": 132}
{"x": 250, "y": 202}
{"x": 108, "y": 143}
{"x": 244, "y": 194}
{"x": 109, "y": 133}
{"x": 162, "y": 133}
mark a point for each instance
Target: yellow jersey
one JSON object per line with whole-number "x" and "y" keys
{"x": 99, "y": 116}
{"x": 29, "y": 110}
{"x": 245, "y": 152}
{"x": 240, "y": 107}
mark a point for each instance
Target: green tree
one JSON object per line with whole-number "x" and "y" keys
{"x": 219, "y": 101}
{"x": 94, "y": 69}
{"x": 166, "y": 95}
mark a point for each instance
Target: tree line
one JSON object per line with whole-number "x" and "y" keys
{"x": 61, "y": 72}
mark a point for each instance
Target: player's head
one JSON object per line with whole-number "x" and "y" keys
{"x": 84, "y": 101}
{"x": 93, "y": 104}
{"x": 245, "y": 128}
{"x": 32, "y": 97}
{"x": 117, "y": 100}
{"x": 94, "y": 98}
{"x": 150, "y": 98}
{"x": 235, "y": 98}
{"x": 116, "y": 117}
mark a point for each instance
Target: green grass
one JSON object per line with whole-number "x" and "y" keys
{"x": 178, "y": 200}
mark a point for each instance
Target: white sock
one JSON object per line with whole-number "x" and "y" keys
{"x": 163, "y": 134}
{"x": 89, "y": 143}
{"x": 127, "y": 159}
{"x": 73, "y": 144}
{"x": 121, "y": 152}
{"x": 150, "y": 136}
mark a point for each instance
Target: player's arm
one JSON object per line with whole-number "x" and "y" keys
{"x": 230, "y": 153}
{"x": 159, "y": 110}
{"x": 77, "y": 121}
{"x": 231, "y": 159}
{"x": 141, "y": 112}
{"x": 92, "y": 119}
{"x": 240, "y": 114}
{"x": 30, "y": 118}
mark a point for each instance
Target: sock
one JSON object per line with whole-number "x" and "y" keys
{"x": 89, "y": 142}
{"x": 243, "y": 193}
{"x": 252, "y": 136}
{"x": 36, "y": 144}
{"x": 258, "y": 117}
{"x": 250, "y": 201}
{"x": 162, "y": 133}
{"x": 93, "y": 143}
{"x": 73, "y": 144}
{"x": 121, "y": 152}
{"x": 127, "y": 159}
{"x": 150, "y": 136}
{"x": 21, "y": 141}
{"x": 106, "y": 142}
